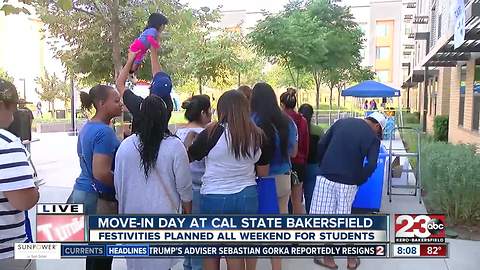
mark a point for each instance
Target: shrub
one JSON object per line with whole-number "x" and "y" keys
{"x": 411, "y": 118}
{"x": 440, "y": 128}
{"x": 451, "y": 177}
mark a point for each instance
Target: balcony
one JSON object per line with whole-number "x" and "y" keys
{"x": 420, "y": 20}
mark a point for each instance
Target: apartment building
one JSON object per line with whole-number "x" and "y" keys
{"x": 443, "y": 80}
{"x": 387, "y": 43}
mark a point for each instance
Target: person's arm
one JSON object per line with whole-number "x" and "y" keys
{"x": 23, "y": 199}
{"x": 372, "y": 158}
{"x": 104, "y": 148}
{"x": 305, "y": 137}
{"x": 16, "y": 178}
{"x": 153, "y": 42}
{"x": 183, "y": 177}
{"x": 123, "y": 76}
{"x": 323, "y": 144}
{"x": 154, "y": 61}
{"x": 203, "y": 143}
{"x": 262, "y": 167}
{"x": 293, "y": 134}
{"x": 102, "y": 169}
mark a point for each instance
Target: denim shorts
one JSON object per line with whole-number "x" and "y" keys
{"x": 243, "y": 202}
{"x": 89, "y": 200}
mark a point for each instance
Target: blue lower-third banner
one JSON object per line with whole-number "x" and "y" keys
{"x": 154, "y": 250}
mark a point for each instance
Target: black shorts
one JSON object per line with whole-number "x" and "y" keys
{"x": 300, "y": 169}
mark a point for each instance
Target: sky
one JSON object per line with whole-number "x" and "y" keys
{"x": 249, "y": 5}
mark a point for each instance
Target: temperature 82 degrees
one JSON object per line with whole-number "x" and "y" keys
{"x": 433, "y": 250}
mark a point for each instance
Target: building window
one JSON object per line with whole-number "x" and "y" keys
{"x": 381, "y": 30}
{"x": 461, "y": 107}
{"x": 476, "y": 98}
{"x": 383, "y": 53}
{"x": 383, "y": 75}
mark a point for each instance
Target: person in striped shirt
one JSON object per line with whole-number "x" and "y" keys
{"x": 17, "y": 188}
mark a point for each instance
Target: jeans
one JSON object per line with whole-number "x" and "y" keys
{"x": 309, "y": 184}
{"x": 194, "y": 263}
{"x": 243, "y": 202}
{"x": 89, "y": 200}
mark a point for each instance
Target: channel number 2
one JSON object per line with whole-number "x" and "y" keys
{"x": 420, "y": 219}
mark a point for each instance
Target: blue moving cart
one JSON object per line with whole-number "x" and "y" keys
{"x": 369, "y": 195}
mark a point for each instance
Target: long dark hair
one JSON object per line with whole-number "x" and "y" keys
{"x": 307, "y": 111}
{"x": 289, "y": 98}
{"x": 152, "y": 128}
{"x": 194, "y": 107}
{"x": 234, "y": 112}
{"x": 96, "y": 94}
{"x": 156, "y": 20}
{"x": 264, "y": 105}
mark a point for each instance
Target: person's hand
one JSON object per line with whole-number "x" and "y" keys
{"x": 154, "y": 50}
{"x": 131, "y": 55}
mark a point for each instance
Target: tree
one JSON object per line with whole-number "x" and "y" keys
{"x": 314, "y": 36}
{"x": 276, "y": 38}
{"x": 4, "y": 75}
{"x": 93, "y": 36}
{"x": 52, "y": 88}
{"x": 212, "y": 61}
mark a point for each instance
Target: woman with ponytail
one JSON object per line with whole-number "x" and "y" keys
{"x": 96, "y": 147}
{"x": 288, "y": 102}
{"x": 152, "y": 173}
{"x": 198, "y": 114}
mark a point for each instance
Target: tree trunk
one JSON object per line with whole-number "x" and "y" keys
{"x": 53, "y": 109}
{"x": 239, "y": 77}
{"x": 317, "y": 95}
{"x": 200, "y": 85}
{"x": 330, "y": 106}
{"x": 115, "y": 27}
{"x": 317, "y": 91}
{"x": 339, "y": 89}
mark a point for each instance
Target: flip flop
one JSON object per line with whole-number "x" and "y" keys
{"x": 321, "y": 263}
{"x": 357, "y": 264}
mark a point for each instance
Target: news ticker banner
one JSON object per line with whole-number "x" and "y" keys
{"x": 146, "y": 250}
{"x": 67, "y": 223}
{"x": 62, "y": 250}
{"x": 236, "y": 229}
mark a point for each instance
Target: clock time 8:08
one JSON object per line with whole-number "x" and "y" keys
{"x": 406, "y": 250}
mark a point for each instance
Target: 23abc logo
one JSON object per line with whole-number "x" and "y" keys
{"x": 420, "y": 226}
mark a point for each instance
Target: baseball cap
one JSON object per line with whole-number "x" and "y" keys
{"x": 161, "y": 85}
{"x": 380, "y": 118}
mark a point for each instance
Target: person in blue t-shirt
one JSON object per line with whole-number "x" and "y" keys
{"x": 280, "y": 130}
{"x": 96, "y": 147}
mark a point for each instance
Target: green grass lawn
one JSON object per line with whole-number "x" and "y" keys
{"x": 178, "y": 118}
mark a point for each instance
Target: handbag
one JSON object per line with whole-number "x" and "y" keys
{"x": 267, "y": 195}
{"x": 106, "y": 205}
{"x": 294, "y": 177}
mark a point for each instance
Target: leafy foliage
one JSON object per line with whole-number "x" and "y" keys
{"x": 52, "y": 88}
{"x": 440, "y": 128}
{"x": 4, "y": 75}
{"x": 315, "y": 36}
{"x": 451, "y": 177}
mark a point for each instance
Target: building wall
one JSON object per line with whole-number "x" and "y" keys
{"x": 367, "y": 13}
{"x": 456, "y": 133}
{"x": 25, "y": 54}
{"x": 388, "y": 11}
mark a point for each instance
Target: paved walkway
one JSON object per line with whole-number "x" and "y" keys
{"x": 55, "y": 158}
